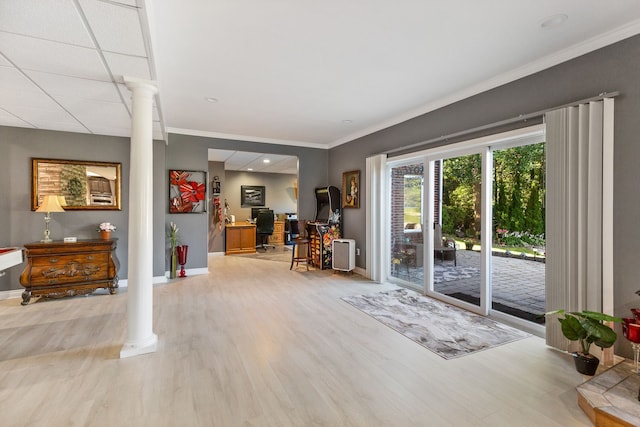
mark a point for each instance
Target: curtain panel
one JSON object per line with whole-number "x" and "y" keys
{"x": 376, "y": 192}
{"x": 578, "y": 139}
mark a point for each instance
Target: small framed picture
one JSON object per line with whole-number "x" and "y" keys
{"x": 351, "y": 189}
{"x": 252, "y": 195}
{"x": 187, "y": 191}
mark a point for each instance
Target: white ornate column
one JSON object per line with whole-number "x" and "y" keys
{"x": 140, "y": 336}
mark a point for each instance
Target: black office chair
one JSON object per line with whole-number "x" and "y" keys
{"x": 264, "y": 229}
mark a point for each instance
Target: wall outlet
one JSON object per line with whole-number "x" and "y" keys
{"x": 357, "y": 251}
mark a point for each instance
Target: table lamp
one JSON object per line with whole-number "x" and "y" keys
{"x": 51, "y": 203}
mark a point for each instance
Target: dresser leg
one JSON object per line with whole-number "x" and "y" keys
{"x": 26, "y": 297}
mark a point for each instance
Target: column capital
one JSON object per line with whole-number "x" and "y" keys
{"x": 134, "y": 83}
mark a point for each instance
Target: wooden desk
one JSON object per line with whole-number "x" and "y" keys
{"x": 240, "y": 238}
{"x": 277, "y": 238}
{"x": 59, "y": 269}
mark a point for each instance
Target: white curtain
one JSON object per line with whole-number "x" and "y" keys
{"x": 376, "y": 191}
{"x": 578, "y": 209}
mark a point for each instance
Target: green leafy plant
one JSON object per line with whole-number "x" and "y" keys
{"x": 588, "y": 328}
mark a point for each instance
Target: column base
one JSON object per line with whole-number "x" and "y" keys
{"x": 149, "y": 345}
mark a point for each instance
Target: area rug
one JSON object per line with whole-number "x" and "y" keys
{"x": 446, "y": 330}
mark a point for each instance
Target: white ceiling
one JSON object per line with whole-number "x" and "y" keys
{"x": 294, "y": 72}
{"x": 254, "y": 162}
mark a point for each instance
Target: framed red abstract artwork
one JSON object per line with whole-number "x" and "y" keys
{"x": 187, "y": 191}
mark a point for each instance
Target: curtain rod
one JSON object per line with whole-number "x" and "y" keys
{"x": 520, "y": 118}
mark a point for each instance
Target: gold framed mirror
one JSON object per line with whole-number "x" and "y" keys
{"x": 85, "y": 185}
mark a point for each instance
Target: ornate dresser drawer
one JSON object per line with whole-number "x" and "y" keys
{"x": 60, "y": 269}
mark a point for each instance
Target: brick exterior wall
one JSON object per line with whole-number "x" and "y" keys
{"x": 397, "y": 201}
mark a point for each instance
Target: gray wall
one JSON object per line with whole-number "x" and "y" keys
{"x": 190, "y": 153}
{"x": 20, "y": 225}
{"x": 278, "y": 187}
{"x": 614, "y": 68}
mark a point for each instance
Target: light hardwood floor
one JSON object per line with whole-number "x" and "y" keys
{"x": 255, "y": 344}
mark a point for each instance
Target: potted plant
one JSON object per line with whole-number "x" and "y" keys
{"x": 588, "y": 328}
{"x": 105, "y": 229}
{"x": 468, "y": 244}
{"x": 173, "y": 241}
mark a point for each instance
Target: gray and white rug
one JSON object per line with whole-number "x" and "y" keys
{"x": 446, "y": 330}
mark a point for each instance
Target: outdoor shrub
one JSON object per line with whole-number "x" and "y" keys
{"x": 522, "y": 238}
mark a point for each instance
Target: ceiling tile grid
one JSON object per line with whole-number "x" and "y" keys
{"x": 313, "y": 74}
{"x": 62, "y": 63}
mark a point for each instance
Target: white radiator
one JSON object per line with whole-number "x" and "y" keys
{"x": 344, "y": 254}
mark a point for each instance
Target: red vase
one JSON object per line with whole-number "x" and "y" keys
{"x": 182, "y": 258}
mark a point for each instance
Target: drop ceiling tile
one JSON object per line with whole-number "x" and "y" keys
{"x": 116, "y": 27}
{"x": 89, "y": 110}
{"x": 125, "y": 2}
{"x": 101, "y": 129}
{"x": 56, "y": 84}
{"x": 28, "y": 98}
{"x": 61, "y": 126}
{"x": 57, "y": 20}
{"x": 12, "y": 78}
{"x": 7, "y": 119}
{"x": 217, "y": 155}
{"x": 42, "y": 55}
{"x": 125, "y": 65}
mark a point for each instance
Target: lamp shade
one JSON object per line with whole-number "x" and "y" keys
{"x": 51, "y": 203}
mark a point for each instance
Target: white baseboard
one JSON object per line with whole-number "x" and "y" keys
{"x": 122, "y": 283}
{"x": 216, "y": 254}
{"x": 361, "y": 271}
{"x": 12, "y": 293}
{"x": 190, "y": 272}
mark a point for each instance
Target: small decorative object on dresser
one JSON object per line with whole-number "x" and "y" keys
{"x": 59, "y": 269}
{"x": 105, "y": 229}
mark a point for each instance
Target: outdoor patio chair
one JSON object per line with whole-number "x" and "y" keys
{"x": 403, "y": 255}
{"x": 440, "y": 247}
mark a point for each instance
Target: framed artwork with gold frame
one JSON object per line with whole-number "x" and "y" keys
{"x": 351, "y": 189}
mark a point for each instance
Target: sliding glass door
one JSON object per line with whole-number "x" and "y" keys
{"x": 456, "y": 261}
{"x": 406, "y": 252}
{"x": 467, "y": 224}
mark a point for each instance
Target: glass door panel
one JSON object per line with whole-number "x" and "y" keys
{"x": 407, "y": 217}
{"x": 457, "y": 223}
{"x": 518, "y": 255}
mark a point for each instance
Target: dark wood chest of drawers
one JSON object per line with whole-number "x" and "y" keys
{"x": 60, "y": 269}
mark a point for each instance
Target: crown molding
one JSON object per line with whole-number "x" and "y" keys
{"x": 574, "y": 51}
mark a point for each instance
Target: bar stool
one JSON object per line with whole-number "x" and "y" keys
{"x": 300, "y": 243}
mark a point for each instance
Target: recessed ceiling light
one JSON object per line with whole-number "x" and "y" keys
{"x": 211, "y": 99}
{"x": 554, "y": 21}
{"x": 266, "y": 161}
{"x": 249, "y": 169}
{"x": 347, "y": 121}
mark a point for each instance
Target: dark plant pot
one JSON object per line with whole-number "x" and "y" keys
{"x": 468, "y": 246}
{"x": 586, "y": 365}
